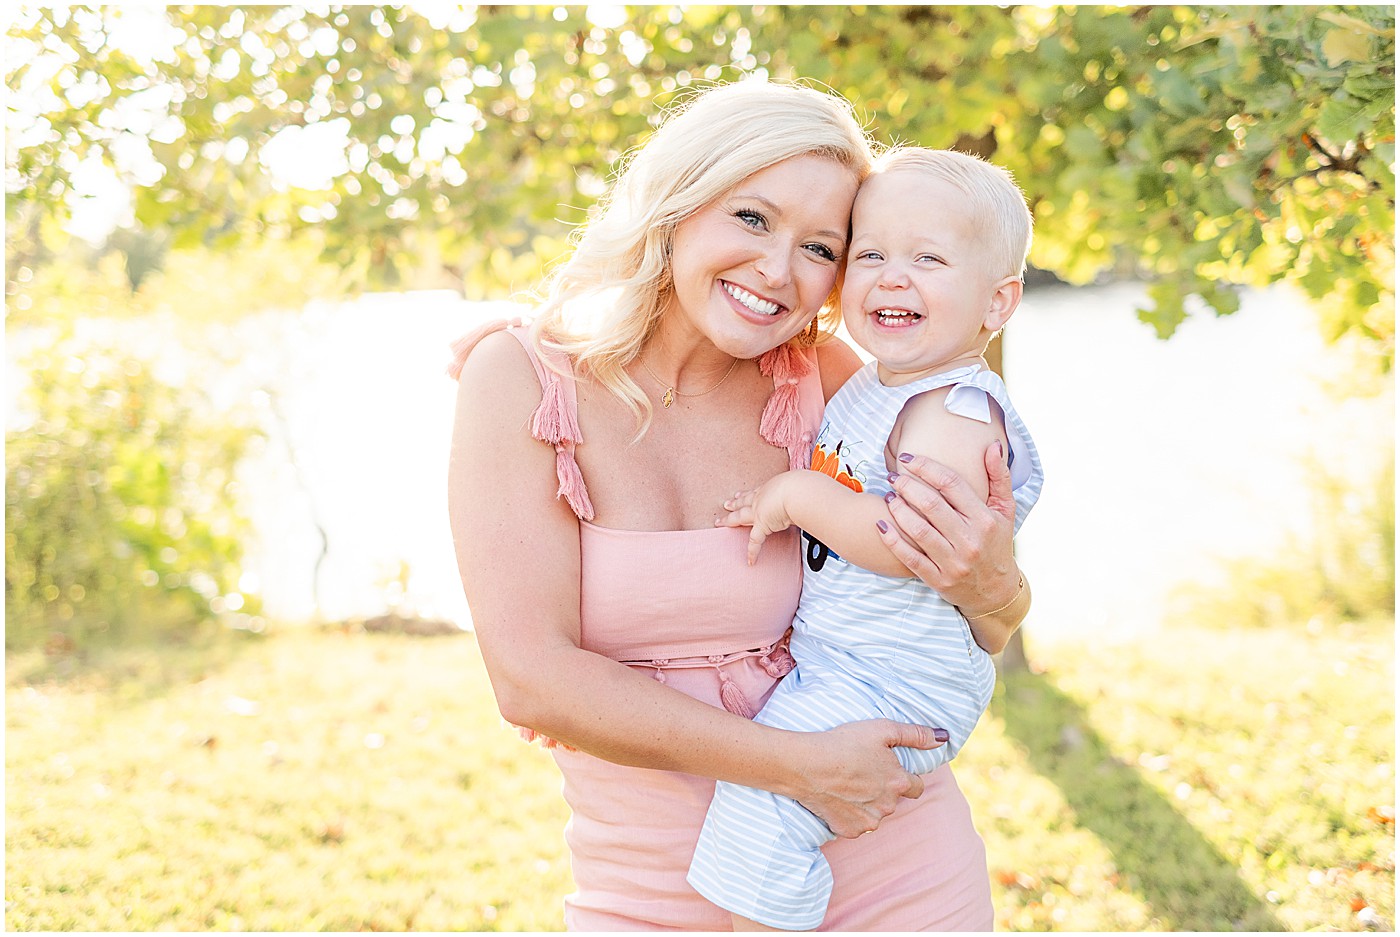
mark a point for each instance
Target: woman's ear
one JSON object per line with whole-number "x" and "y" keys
{"x": 1006, "y": 296}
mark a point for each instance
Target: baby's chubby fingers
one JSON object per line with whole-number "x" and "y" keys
{"x": 756, "y": 538}
{"x": 742, "y": 517}
{"x": 737, "y": 511}
{"x": 740, "y": 499}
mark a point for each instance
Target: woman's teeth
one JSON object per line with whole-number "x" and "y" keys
{"x": 761, "y": 306}
{"x": 896, "y": 316}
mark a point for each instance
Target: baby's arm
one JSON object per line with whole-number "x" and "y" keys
{"x": 846, "y": 521}
{"x": 822, "y": 506}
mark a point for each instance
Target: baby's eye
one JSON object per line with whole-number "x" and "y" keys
{"x": 869, "y": 255}
{"x": 822, "y": 251}
{"x": 933, "y": 258}
{"x": 751, "y": 218}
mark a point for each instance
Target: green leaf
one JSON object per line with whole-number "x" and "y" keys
{"x": 1178, "y": 94}
{"x": 1317, "y": 281}
{"x": 1345, "y": 45}
{"x": 1344, "y": 118}
{"x": 1352, "y": 24}
{"x": 1168, "y": 309}
{"x": 1224, "y": 298}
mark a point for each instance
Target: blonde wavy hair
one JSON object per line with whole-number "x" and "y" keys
{"x": 621, "y": 261}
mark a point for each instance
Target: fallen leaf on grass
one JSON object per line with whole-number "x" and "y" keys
{"x": 1357, "y": 903}
{"x": 1384, "y": 815}
{"x": 333, "y": 831}
{"x": 1010, "y": 878}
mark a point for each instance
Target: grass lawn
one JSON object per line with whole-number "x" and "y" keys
{"x": 323, "y": 781}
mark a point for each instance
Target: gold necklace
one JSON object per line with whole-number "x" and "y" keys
{"x": 671, "y": 394}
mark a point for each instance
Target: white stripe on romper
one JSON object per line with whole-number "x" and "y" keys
{"x": 866, "y": 646}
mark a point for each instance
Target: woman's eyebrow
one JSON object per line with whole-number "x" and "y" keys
{"x": 778, "y": 212}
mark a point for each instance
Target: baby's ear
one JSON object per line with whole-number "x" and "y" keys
{"x": 1006, "y": 296}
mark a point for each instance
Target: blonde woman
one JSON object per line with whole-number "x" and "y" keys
{"x": 618, "y": 623}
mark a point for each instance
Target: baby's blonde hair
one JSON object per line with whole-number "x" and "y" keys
{"x": 999, "y": 211}
{"x": 706, "y": 146}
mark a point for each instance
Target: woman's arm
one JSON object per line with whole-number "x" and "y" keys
{"x": 518, "y": 552}
{"x": 846, "y": 521}
{"x": 962, "y": 546}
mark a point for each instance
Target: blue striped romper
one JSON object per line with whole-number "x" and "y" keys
{"x": 867, "y": 646}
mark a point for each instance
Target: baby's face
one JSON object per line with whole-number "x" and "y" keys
{"x": 917, "y": 292}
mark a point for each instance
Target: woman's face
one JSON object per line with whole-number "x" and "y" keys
{"x": 753, "y": 267}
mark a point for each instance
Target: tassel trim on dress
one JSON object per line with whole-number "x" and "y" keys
{"x": 530, "y": 735}
{"x": 779, "y": 662}
{"x": 463, "y": 346}
{"x": 733, "y": 698}
{"x": 781, "y": 424}
{"x": 571, "y": 486}
{"x": 553, "y": 421}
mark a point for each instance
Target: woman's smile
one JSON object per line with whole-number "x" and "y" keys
{"x": 750, "y": 301}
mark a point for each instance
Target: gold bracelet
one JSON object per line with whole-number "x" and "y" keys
{"x": 1020, "y": 587}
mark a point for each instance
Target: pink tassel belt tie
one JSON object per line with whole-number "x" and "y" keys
{"x": 774, "y": 659}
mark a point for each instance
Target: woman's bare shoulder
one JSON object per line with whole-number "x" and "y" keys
{"x": 498, "y": 392}
{"x": 498, "y": 367}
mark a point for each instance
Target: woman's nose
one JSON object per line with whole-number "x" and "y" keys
{"x": 775, "y": 266}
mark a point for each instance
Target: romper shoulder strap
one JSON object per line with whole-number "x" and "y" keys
{"x": 555, "y": 420}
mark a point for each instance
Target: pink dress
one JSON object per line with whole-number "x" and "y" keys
{"x": 684, "y": 606}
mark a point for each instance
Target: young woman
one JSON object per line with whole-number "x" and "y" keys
{"x": 590, "y": 459}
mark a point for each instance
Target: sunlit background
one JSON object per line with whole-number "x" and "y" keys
{"x": 1164, "y": 458}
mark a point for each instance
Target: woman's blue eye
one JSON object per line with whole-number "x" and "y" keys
{"x": 751, "y": 218}
{"x": 821, "y": 250}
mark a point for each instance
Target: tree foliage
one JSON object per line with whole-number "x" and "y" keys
{"x": 120, "y": 509}
{"x": 1200, "y": 148}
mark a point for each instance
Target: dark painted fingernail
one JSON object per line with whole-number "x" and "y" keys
{"x": 940, "y": 735}
{"x": 893, "y": 477}
{"x": 889, "y": 497}
{"x": 884, "y": 528}
{"x": 905, "y": 457}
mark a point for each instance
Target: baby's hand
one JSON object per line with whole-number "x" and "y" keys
{"x": 762, "y": 509}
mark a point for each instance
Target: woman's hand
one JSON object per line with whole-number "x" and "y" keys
{"x": 961, "y": 546}
{"x": 855, "y": 781}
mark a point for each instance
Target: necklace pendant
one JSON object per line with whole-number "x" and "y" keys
{"x": 667, "y": 399}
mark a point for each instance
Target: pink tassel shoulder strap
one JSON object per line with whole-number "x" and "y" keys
{"x": 556, "y": 418}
